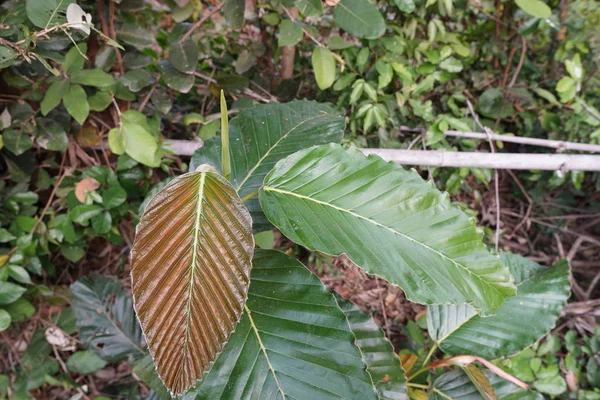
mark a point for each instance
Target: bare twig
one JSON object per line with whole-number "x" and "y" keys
{"x": 521, "y": 60}
{"x": 148, "y": 95}
{"x": 201, "y": 22}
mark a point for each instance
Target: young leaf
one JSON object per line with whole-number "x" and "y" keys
{"x": 359, "y": 18}
{"x": 76, "y": 103}
{"x": 105, "y": 318}
{"x": 378, "y": 353}
{"x": 388, "y": 221}
{"x": 261, "y": 136}
{"x": 519, "y": 322}
{"x": 293, "y": 342}
{"x": 190, "y": 273}
{"x": 324, "y": 67}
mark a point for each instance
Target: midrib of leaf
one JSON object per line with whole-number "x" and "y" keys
{"x": 444, "y": 395}
{"x": 123, "y": 333}
{"x": 193, "y": 267}
{"x": 260, "y": 160}
{"x": 264, "y": 350}
{"x": 457, "y": 327}
{"x": 183, "y": 53}
{"x": 411, "y": 239}
{"x": 356, "y": 15}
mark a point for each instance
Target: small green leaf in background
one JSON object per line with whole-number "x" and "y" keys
{"x": 451, "y": 64}
{"x": 16, "y": 141}
{"x": 310, "y": 8}
{"x": 55, "y": 93}
{"x": 134, "y": 35}
{"x": 99, "y": 101}
{"x": 174, "y": 78}
{"x": 233, "y": 11}
{"x": 406, "y": 6}
{"x": 324, "y": 67}
{"x": 74, "y": 60}
{"x": 116, "y": 141}
{"x": 76, "y": 103}
{"x": 184, "y": 56}
{"x": 137, "y": 79}
{"x": 386, "y": 73}
{"x": 81, "y": 214}
{"x": 359, "y": 18}
{"x": 10, "y": 292}
{"x": 4, "y": 320}
{"x": 93, "y": 77}
{"x": 535, "y": 8}
{"x": 139, "y": 142}
{"x": 85, "y": 362}
{"x": 102, "y": 223}
{"x": 290, "y": 33}
{"x": 265, "y": 240}
{"x": 114, "y": 197}
{"x": 51, "y": 135}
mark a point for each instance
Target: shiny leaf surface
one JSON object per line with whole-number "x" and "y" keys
{"x": 456, "y": 385}
{"x": 383, "y": 364}
{"x": 519, "y": 322}
{"x": 292, "y": 342}
{"x": 388, "y": 221}
{"x": 261, "y": 136}
{"x": 190, "y": 273}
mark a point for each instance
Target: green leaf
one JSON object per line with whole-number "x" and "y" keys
{"x": 137, "y": 79}
{"x": 324, "y": 67}
{"x": 174, "y": 78}
{"x": 51, "y": 135}
{"x": 93, "y": 77}
{"x": 116, "y": 141}
{"x": 44, "y": 13}
{"x": 74, "y": 60}
{"x": 290, "y": 33}
{"x": 406, "y": 6}
{"x": 184, "y": 56}
{"x": 451, "y": 64}
{"x": 4, "y": 320}
{"x": 17, "y": 142}
{"x": 535, "y": 8}
{"x": 19, "y": 274}
{"x": 10, "y": 292}
{"x": 265, "y": 240}
{"x": 456, "y": 385}
{"x": 262, "y": 135}
{"x": 180, "y": 299}
{"x": 359, "y": 18}
{"x": 139, "y": 142}
{"x": 339, "y": 201}
{"x": 291, "y": 342}
{"x": 134, "y": 35}
{"x": 344, "y": 81}
{"x": 114, "y": 197}
{"x": 541, "y": 295}
{"x": 377, "y": 352}
{"x": 7, "y": 56}
{"x": 55, "y": 93}
{"x": 76, "y": 103}
{"x": 310, "y": 8}
{"x": 386, "y": 73}
{"x": 105, "y": 318}
{"x": 102, "y": 223}
{"x": 85, "y": 362}
{"x": 144, "y": 368}
{"x": 82, "y": 213}
{"x": 100, "y": 101}
{"x": 233, "y": 11}
{"x": 20, "y": 310}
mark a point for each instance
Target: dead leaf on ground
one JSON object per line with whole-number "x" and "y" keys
{"x": 86, "y": 184}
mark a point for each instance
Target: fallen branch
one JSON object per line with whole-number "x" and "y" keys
{"x": 436, "y": 158}
{"x": 554, "y": 144}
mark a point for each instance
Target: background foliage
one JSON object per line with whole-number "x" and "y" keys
{"x": 85, "y": 114}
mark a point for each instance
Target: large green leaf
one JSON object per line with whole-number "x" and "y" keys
{"x": 382, "y": 362}
{"x": 44, "y": 13}
{"x": 456, "y": 385}
{"x": 389, "y": 221}
{"x": 324, "y": 67}
{"x": 359, "y": 18}
{"x": 262, "y": 135}
{"x": 292, "y": 342}
{"x": 105, "y": 318}
{"x": 519, "y": 322}
{"x": 190, "y": 270}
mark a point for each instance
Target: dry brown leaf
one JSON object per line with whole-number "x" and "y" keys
{"x": 86, "y": 184}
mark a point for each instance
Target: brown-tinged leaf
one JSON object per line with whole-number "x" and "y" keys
{"x": 87, "y": 136}
{"x": 86, "y": 184}
{"x": 190, "y": 271}
{"x": 481, "y": 382}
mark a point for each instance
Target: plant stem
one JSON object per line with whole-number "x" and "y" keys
{"x": 418, "y": 386}
{"x": 225, "y": 157}
{"x": 250, "y": 196}
{"x": 425, "y": 367}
